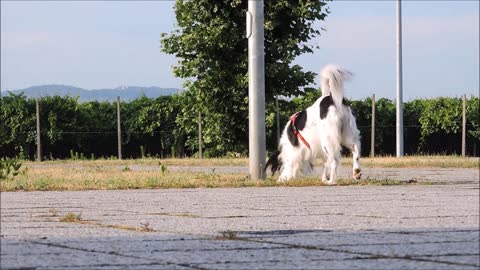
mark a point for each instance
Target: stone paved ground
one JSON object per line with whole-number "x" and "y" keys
{"x": 330, "y": 227}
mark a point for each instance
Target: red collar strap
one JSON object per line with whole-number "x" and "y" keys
{"x": 295, "y": 130}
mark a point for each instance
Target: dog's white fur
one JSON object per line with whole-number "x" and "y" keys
{"x": 325, "y": 136}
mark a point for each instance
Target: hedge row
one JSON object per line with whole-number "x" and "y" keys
{"x": 151, "y": 127}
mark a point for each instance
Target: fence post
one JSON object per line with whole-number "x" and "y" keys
{"x": 372, "y": 139}
{"x": 39, "y": 145}
{"x": 200, "y": 155}
{"x": 464, "y": 124}
{"x": 119, "y": 130}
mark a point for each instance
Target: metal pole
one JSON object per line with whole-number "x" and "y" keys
{"x": 399, "y": 109}
{"x": 464, "y": 125}
{"x": 372, "y": 139}
{"x": 278, "y": 118}
{"x": 39, "y": 145}
{"x": 256, "y": 89}
{"x": 200, "y": 135}
{"x": 119, "y": 130}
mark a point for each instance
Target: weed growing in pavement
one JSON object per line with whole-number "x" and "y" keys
{"x": 227, "y": 235}
{"x": 71, "y": 217}
{"x": 53, "y": 212}
{"x": 145, "y": 227}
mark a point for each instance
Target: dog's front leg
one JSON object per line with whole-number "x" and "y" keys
{"x": 325, "y": 173}
{"x": 289, "y": 171}
{"x": 357, "y": 169}
{"x": 333, "y": 170}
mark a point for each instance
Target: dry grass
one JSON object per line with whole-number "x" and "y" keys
{"x": 381, "y": 162}
{"x": 155, "y": 161}
{"x": 116, "y": 174}
{"x": 77, "y": 218}
{"x": 71, "y": 217}
{"x": 227, "y": 235}
{"x": 106, "y": 178}
{"x": 418, "y": 162}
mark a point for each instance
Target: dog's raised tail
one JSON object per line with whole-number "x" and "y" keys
{"x": 274, "y": 162}
{"x": 332, "y": 78}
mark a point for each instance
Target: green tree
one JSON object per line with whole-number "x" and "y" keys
{"x": 439, "y": 118}
{"x": 473, "y": 118}
{"x": 211, "y": 46}
{"x": 17, "y": 125}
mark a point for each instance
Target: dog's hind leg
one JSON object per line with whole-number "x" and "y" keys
{"x": 333, "y": 161}
{"x": 351, "y": 140}
{"x": 357, "y": 170}
{"x": 355, "y": 148}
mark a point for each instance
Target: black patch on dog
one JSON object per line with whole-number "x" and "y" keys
{"x": 274, "y": 162}
{"x": 324, "y": 105}
{"x": 300, "y": 122}
{"x": 291, "y": 136}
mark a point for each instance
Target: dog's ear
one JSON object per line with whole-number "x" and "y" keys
{"x": 291, "y": 134}
{"x": 301, "y": 120}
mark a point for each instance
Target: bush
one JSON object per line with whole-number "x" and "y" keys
{"x": 10, "y": 167}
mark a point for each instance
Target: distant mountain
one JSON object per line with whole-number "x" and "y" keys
{"x": 126, "y": 93}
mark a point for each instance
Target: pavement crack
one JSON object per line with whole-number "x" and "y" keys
{"x": 368, "y": 254}
{"x": 114, "y": 253}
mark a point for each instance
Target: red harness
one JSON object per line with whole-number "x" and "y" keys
{"x": 295, "y": 130}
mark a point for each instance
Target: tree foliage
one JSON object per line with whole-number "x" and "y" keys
{"x": 210, "y": 43}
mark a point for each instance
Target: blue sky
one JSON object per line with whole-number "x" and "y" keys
{"x": 105, "y": 44}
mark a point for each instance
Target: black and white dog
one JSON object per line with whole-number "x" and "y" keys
{"x": 319, "y": 132}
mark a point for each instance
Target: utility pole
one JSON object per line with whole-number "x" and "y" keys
{"x": 200, "y": 155}
{"x": 256, "y": 90}
{"x": 399, "y": 109}
{"x": 119, "y": 130}
{"x": 39, "y": 145}
{"x": 464, "y": 125}
{"x": 372, "y": 138}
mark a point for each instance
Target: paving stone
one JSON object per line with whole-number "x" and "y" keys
{"x": 328, "y": 227}
{"x": 380, "y": 264}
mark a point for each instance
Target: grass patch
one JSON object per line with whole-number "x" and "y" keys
{"x": 108, "y": 178}
{"x": 381, "y": 162}
{"x": 119, "y": 174}
{"x": 418, "y": 162}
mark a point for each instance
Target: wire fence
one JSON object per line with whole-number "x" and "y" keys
{"x": 111, "y": 142}
{"x": 140, "y": 144}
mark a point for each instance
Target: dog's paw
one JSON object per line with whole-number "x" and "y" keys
{"x": 331, "y": 182}
{"x": 282, "y": 180}
{"x": 325, "y": 179}
{"x": 357, "y": 174}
